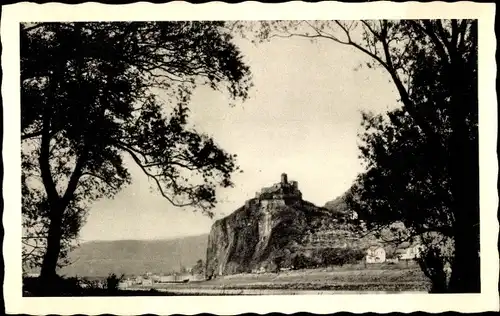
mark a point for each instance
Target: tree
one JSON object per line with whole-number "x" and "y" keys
{"x": 90, "y": 100}
{"x": 406, "y": 183}
{"x": 340, "y": 256}
{"x": 281, "y": 258}
{"x": 433, "y": 65}
{"x": 198, "y": 268}
{"x": 113, "y": 282}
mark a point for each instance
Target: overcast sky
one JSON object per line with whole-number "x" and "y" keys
{"x": 302, "y": 118}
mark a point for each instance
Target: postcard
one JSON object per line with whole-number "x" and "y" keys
{"x": 232, "y": 158}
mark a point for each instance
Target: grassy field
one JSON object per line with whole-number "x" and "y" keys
{"x": 343, "y": 279}
{"x": 356, "y": 279}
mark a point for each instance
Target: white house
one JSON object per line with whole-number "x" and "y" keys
{"x": 392, "y": 260}
{"x": 138, "y": 279}
{"x": 375, "y": 254}
{"x": 410, "y": 253}
{"x": 259, "y": 270}
{"x": 197, "y": 277}
{"x": 147, "y": 282}
{"x": 125, "y": 284}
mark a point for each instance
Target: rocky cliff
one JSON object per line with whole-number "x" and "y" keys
{"x": 276, "y": 224}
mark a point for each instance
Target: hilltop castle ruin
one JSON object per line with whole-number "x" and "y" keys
{"x": 283, "y": 190}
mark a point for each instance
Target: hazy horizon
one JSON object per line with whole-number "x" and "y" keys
{"x": 302, "y": 118}
{"x": 151, "y": 239}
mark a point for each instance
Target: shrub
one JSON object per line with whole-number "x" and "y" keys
{"x": 300, "y": 261}
{"x": 340, "y": 256}
{"x": 112, "y": 282}
{"x": 59, "y": 286}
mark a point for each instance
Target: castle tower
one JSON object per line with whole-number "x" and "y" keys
{"x": 284, "y": 178}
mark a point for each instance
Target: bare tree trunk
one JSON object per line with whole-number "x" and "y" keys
{"x": 58, "y": 206}
{"x": 433, "y": 267}
{"x": 464, "y": 170}
{"x": 49, "y": 264}
{"x": 465, "y": 276}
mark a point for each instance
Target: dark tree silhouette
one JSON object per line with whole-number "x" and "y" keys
{"x": 433, "y": 65}
{"x": 113, "y": 282}
{"x": 89, "y": 102}
{"x": 406, "y": 182}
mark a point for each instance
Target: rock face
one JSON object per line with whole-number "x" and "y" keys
{"x": 275, "y": 223}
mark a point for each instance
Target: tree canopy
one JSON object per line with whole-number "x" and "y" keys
{"x": 91, "y": 97}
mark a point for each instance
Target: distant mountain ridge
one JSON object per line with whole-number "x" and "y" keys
{"x": 338, "y": 205}
{"x": 135, "y": 257}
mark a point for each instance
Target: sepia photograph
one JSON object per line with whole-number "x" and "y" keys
{"x": 251, "y": 157}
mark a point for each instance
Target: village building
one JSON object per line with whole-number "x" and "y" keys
{"x": 139, "y": 279}
{"x": 196, "y": 277}
{"x": 392, "y": 260}
{"x": 147, "y": 282}
{"x": 167, "y": 278}
{"x": 177, "y": 278}
{"x": 375, "y": 254}
{"x": 409, "y": 253}
{"x": 259, "y": 270}
{"x": 127, "y": 283}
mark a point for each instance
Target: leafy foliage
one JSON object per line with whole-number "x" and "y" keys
{"x": 59, "y": 287}
{"x": 341, "y": 256}
{"x": 90, "y": 102}
{"x": 327, "y": 257}
{"x": 113, "y": 281}
{"x": 413, "y": 179}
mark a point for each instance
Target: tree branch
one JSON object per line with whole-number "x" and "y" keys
{"x": 370, "y": 29}
{"x": 75, "y": 176}
{"x": 31, "y": 135}
{"x": 462, "y": 30}
{"x": 306, "y": 36}
{"x": 441, "y": 51}
{"x": 44, "y": 160}
{"x": 98, "y": 177}
{"x": 151, "y": 176}
{"x": 454, "y": 33}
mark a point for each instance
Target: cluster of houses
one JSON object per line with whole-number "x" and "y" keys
{"x": 149, "y": 279}
{"x": 377, "y": 254}
{"x": 263, "y": 270}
